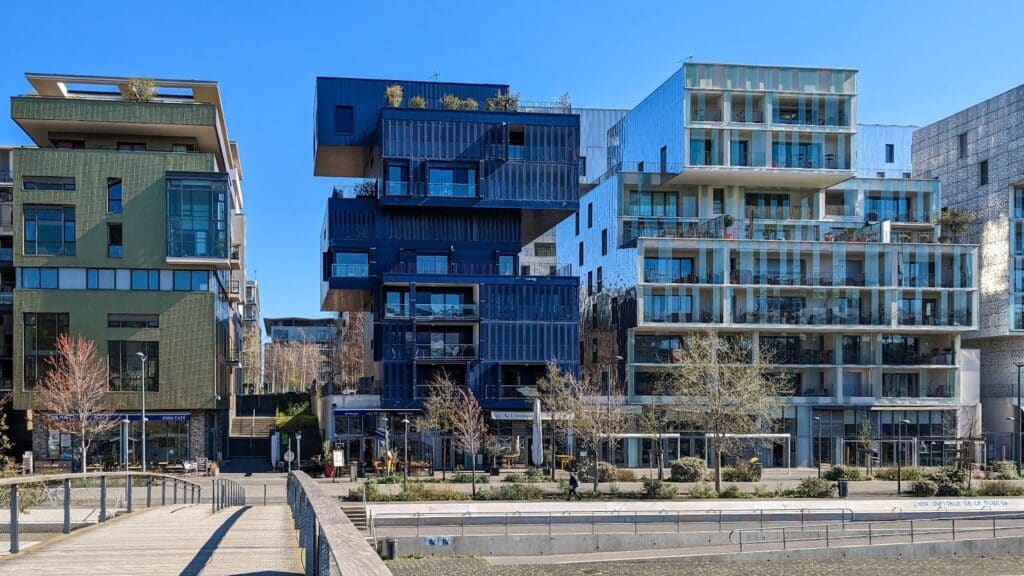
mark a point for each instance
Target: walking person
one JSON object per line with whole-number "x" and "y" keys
{"x": 574, "y": 483}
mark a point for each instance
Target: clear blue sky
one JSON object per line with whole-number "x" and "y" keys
{"x": 919, "y": 61}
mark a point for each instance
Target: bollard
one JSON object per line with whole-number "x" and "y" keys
{"x": 67, "y": 506}
{"x": 103, "y": 499}
{"x": 213, "y": 496}
{"x": 15, "y": 547}
{"x": 149, "y": 491}
{"x": 174, "y": 492}
{"x": 264, "y": 493}
{"x": 163, "y": 491}
{"x": 128, "y": 492}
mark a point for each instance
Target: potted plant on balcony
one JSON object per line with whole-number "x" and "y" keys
{"x": 953, "y": 222}
{"x": 728, "y": 221}
{"x": 493, "y": 451}
{"x": 328, "y": 461}
{"x": 418, "y": 102}
{"x": 394, "y": 95}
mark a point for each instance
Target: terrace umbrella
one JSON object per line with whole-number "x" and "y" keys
{"x": 537, "y": 450}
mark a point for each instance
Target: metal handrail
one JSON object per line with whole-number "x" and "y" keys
{"x": 191, "y": 494}
{"x": 227, "y": 493}
{"x": 869, "y": 526}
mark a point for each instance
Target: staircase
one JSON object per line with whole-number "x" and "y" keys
{"x": 356, "y": 513}
{"x": 249, "y": 427}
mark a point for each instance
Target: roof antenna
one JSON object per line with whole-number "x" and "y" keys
{"x": 435, "y": 75}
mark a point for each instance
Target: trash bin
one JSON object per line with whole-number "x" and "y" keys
{"x": 391, "y": 548}
{"x": 844, "y": 488}
{"x": 353, "y": 471}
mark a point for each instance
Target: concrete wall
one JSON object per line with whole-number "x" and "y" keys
{"x": 871, "y": 142}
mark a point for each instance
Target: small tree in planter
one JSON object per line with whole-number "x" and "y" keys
{"x": 728, "y": 221}
{"x": 503, "y": 101}
{"x": 141, "y": 89}
{"x": 328, "y": 460}
{"x": 418, "y": 102}
{"x": 469, "y": 427}
{"x": 954, "y": 222}
{"x": 394, "y": 95}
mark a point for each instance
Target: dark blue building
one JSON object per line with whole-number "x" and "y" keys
{"x": 429, "y": 241}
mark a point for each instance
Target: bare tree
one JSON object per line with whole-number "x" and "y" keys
{"x": 252, "y": 352}
{"x": 292, "y": 366}
{"x": 347, "y": 352}
{"x": 73, "y": 394}
{"x": 724, "y": 388}
{"x": 866, "y": 442}
{"x": 468, "y": 427}
{"x": 651, "y": 420}
{"x": 439, "y": 410}
{"x": 590, "y": 408}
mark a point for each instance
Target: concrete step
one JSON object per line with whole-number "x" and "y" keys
{"x": 356, "y": 514}
{"x": 259, "y": 427}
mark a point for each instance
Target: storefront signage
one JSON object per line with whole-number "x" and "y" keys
{"x": 136, "y": 417}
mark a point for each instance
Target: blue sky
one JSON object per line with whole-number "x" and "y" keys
{"x": 919, "y": 61}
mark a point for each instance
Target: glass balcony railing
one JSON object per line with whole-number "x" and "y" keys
{"x": 396, "y": 310}
{"x": 450, "y": 190}
{"x": 350, "y": 270}
{"x": 396, "y": 188}
{"x": 6, "y": 176}
{"x": 656, "y": 277}
{"x": 672, "y": 228}
{"x": 445, "y": 311}
{"x": 6, "y": 254}
{"x": 515, "y": 152}
{"x": 805, "y": 279}
{"x": 962, "y": 318}
{"x": 811, "y": 317}
{"x": 964, "y": 280}
{"x": 809, "y": 357}
{"x": 902, "y": 357}
{"x": 445, "y": 351}
{"x": 693, "y": 317}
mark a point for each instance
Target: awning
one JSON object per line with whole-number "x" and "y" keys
{"x": 364, "y": 411}
{"x": 137, "y": 417}
{"x": 518, "y": 416}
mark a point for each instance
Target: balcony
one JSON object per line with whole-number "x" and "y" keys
{"x": 804, "y": 279}
{"x": 6, "y": 177}
{"x": 235, "y": 257}
{"x": 466, "y": 269}
{"x": 350, "y": 270}
{"x": 963, "y": 280}
{"x": 803, "y": 357}
{"x": 235, "y": 291}
{"x": 6, "y": 255}
{"x": 692, "y": 317}
{"x": 811, "y": 317}
{"x": 901, "y": 357}
{"x": 445, "y": 311}
{"x": 635, "y": 228}
{"x": 955, "y": 319}
{"x": 652, "y": 277}
{"x": 445, "y": 351}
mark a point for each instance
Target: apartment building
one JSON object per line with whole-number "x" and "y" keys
{"x": 733, "y": 202}
{"x": 978, "y": 156}
{"x": 453, "y": 184}
{"x": 129, "y": 230}
{"x": 252, "y": 341}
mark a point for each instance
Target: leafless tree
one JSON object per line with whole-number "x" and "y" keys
{"x": 252, "y": 353}
{"x": 439, "y": 410}
{"x": 724, "y": 388}
{"x": 72, "y": 396}
{"x": 590, "y": 409}
{"x": 468, "y": 427}
{"x": 347, "y": 352}
{"x": 292, "y": 366}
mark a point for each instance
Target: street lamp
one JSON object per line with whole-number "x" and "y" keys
{"x": 1016, "y": 430}
{"x": 899, "y": 455}
{"x": 298, "y": 450}
{"x": 818, "y": 420}
{"x": 405, "y": 420}
{"x": 142, "y": 358}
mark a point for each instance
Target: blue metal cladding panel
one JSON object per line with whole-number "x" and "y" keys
{"x": 657, "y": 121}
{"x": 367, "y": 98}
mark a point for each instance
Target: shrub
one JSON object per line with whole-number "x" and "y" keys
{"x": 1000, "y": 488}
{"x": 467, "y": 478}
{"x": 703, "y": 490}
{"x": 605, "y": 472}
{"x": 523, "y": 478}
{"x": 689, "y": 469}
{"x": 742, "y": 472}
{"x": 416, "y": 491}
{"x": 503, "y": 101}
{"x": 624, "y": 475}
{"x": 951, "y": 481}
{"x": 418, "y": 102}
{"x": 656, "y": 489}
{"x": 511, "y": 492}
{"x": 909, "y": 473}
{"x": 733, "y": 491}
{"x": 453, "y": 102}
{"x": 925, "y": 488}
{"x": 141, "y": 89}
{"x": 1003, "y": 470}
{"x": 814, "y": 488}
{"x": 393, "y": 94}
{"x": 851, "y": 473}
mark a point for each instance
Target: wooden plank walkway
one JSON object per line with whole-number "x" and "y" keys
{"x": 186, "y": 540}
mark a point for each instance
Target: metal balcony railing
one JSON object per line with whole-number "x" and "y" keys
{"x": 6, "y": 177}
{"x": 442, "y": 351}
{"x": 446, "y": 311}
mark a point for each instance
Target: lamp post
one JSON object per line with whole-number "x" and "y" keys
{"x": 298, "y": 450}
{"x": 142, "y": 358}
{"x": 405, "y": 420}
{"x": 1016, "y": 430}
{"x": 899, "y": 455}
{"x": 818, "y": 442}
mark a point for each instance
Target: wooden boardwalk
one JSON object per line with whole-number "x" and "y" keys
{"x": 180, "y": 539}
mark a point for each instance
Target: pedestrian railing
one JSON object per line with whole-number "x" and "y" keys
{"x": 229, "y": 493}
{"x": 331, "y": 544}
{"x": 896, "y": 531}
{"x": 41, "y": 505}
{"x": 587, "y": 522}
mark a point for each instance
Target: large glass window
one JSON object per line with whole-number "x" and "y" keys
{"x": 431, "y": 263}
{"x": 50, "y": 230}
{"x": 114, "y": 196}
{"x": 506, "y": 264}
{"x": 197, "y": 224}
{"x": 191, "y": 280}
{"x": 125, "y": 367}
{"x": 145, "y": 279}
{"x": 351, "y": 265}
{"x": 100, "y": 279}
{"x": 39, "y": 278}
{"x": 397, "y": 183}
{"x": 455, "y": 182}
{"x": 41, "y": 333}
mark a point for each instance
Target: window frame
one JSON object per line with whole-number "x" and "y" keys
{"x": 31, "y": 231}
{"x": 115, "y": 205}
{"x": 348, "y": 127}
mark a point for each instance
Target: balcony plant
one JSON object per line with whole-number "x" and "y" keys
{"x": 418, "y": 102}
{"x": 503, "y": 101}
{"x": 394, "y": 95}
{"x": 727, "y": 222}
{"x": 141, "y": 89}
{"x": 954, "y": 222}
{"x": 453, "y": 102}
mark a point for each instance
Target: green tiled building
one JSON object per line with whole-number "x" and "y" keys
{"x": 129, "y": 231}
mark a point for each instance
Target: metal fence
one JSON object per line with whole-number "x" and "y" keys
{"x": 229, "y": 493}
{"x": 41, "y": 506}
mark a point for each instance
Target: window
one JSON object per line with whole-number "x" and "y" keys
{"x": 516, "y": 142}
{"x": 100, "y": 279}
{"x": 40, "y": 342}
{"x": 133, "y": 320}
{"x": 50, "y": 230}
{"x": 577, "y": 215}
{"x": 506, "y": 264}
{"x": 639, "y": 166}
{"x": 114, "y": 196}
{"x": 131, "y": 146}
{"x": 983, "y": 173}
{"x": 907, "y": 175}
{"x": 115, "y": 245}
{"x": 961, "y": 141}
{"x": 664, "y": 159}
{"x": 48, "y": 183}
{"x": 191, "y": 280}
{"x": 524, "y": 270}
{"x": 590, "y": 215}
{"x": 351, "y": 265}
{"x": 125, "y": 367}
{"x": 197, "y": 217}
{"x": 432, "y": 264}
{"x": 544, "y": 249}
{"x": 880, "y": 174}
{"x": 145, "y": 279}
{"x": 718, "y": 201}
{"x": 68, "y": 144}
{"x": 604, "y": 242}
{"x": 600, "y": 279}
{"x": 344, "y": 120}
{"x": 581, "y": 253}
{"x": 453, "y": 182}
{"x": 890, "y": 153}
{"x": 182, "y": 148}
{"x": 581, "y": 166}
{"x": 590, "y": 282}
{"x": 397, "y": 183}
{"x": 39, "y": 278}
